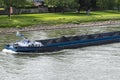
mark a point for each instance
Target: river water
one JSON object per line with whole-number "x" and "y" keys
{"x": 88, "y": 63}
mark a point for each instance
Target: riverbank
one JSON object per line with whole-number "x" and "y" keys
{"x": 24, "y": 20}
{"x": 61, "y": 26}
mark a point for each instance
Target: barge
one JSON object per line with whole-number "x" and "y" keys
{"x": 56, "y": 44}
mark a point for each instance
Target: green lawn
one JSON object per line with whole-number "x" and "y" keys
{"x": 1, "y": 8}
{"x": 57, "y": 18}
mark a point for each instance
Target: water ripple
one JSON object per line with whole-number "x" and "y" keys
{"x": 88, "y": 63}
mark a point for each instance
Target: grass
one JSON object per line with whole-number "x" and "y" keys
{"x": 1, "y": 8}
{"x": 56, "y": 18}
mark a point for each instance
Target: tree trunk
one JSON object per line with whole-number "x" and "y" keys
{"x": 118, "y": 7}
{"x": 9, "y": 15}
{"x": 79, "y": 8}
{"x": 63, "y": 11}
{"x": 78, "y": 11}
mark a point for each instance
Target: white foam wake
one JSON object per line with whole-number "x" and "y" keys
{"x": 8, "y": 51}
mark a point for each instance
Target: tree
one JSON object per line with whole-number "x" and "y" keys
{"x": 106, "y": 4}
{"x": 110, "y": 4}
{"x": 93, "y": 4}
{"x": 1, "y": 3}
{"x": 61, "y": 4}
{"x": 117, "y": 2}
{"x": 85, "y": 4}
{"x": 8, "y": 4}
{"x": 81, "y": 4}
{"x": 101, "y": 4}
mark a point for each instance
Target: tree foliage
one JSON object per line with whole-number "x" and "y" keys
{"x": 105, "y": 4}
{"x": 93, "y": 4}
{"x": 108, "y": 4}
{"x": 14, "y": 3}
{"x": 61, "y": 3}
{"x": 8, "y": 4}
{"x": 117, "y": 3}
{"x": 100, "y": 4}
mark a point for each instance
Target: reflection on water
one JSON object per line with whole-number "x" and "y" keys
{"x": 89, "y": 63}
